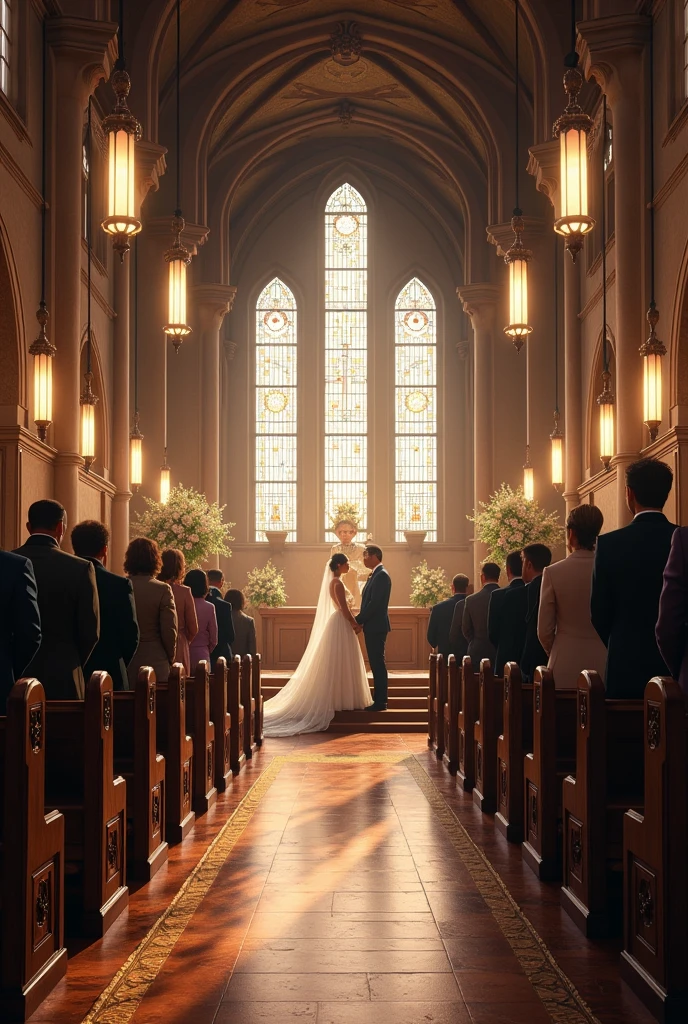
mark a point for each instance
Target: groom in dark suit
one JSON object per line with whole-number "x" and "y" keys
{"x": 374, "y": 619}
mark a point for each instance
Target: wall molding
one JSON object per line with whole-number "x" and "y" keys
{"x": 15, "y": 171}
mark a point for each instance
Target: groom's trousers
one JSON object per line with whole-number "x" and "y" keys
{"x": 375, "y": 646}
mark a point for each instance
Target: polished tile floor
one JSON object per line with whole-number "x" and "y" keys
{"x": 344, "y": 901}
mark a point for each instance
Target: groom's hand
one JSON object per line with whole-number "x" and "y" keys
{"x": 358, "y": 629}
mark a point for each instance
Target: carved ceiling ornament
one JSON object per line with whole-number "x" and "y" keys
{"x": 346, "y": 43}
{"x": 345, "y": 113}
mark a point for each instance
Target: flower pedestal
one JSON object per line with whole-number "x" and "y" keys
{"x": 414, "y": 540}
{"x": 277, "y": 540}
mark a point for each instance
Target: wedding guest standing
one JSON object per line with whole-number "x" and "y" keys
{"x": 173, "y": 572}
{"x": 472, "y": 615}
{"x": 155, "y": 611}
{"x": 672, "y": 625}
{"x": 223, "y": 614}
{"x": 205, "y": 640}
{"x": 536, "y": 557}
{"x": 564, "y": 626}
{"x": 439, "y": 623}
{"x": 506, "y": 619}
{"x": 119, "y": 630}
{"x": 20, "y": 637}
{"x": 244, "y": 626}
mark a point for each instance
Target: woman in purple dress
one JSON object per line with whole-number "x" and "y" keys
{"x": 205, "y": 640}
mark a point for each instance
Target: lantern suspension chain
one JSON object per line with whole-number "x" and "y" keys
{"x": 136, "y": 437}
{"x": 88, "y": 398}
{"x": 517, "y": 210}
{"x": 88, "y": 239}
{"x": 556, "y": 329}
{"x": 121, "y": 62}
{"x": 178, "y": 211}
{"x": 606, "y": 399}
{"x": 43, "y": 167}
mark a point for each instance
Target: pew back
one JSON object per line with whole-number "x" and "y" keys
{"x": 202, "y": 729}
{"x": 222, "y": 720}
{"x": 257, "y": 693}
{"x": 432, "y": 700}
{"x": 178, "y": 748}
{"x": 440, "y": 702}
{"x": 451, "y": 715}
{"x": 514, "y": 742}
{"x": 468, "y": 712}
{"x": 249, "y": 707}
{"x": 487, "y": 728}
{"x": 237, "y": 755}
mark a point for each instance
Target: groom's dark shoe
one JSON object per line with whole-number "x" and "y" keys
{"x": 376, "y": 707}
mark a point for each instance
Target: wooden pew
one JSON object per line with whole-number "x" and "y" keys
{"x": 33, "y": 957}
{"x": 237, "y": 755}
{"x": 249, "y": 707}
{"x": 608, "y": 781}
{"x": 257, "y": 693}
{"x": 222, "y": 720}
{"x": 432, "y": 697}
{"x": 514, "y": 742}
{"x": 487, "y": 728}
{"x": 655, "y": 858}
{"x": 202, "y": 730}
{"x": 177, "y": 746}
{"x": 468, "y": 712}
{"x": 552, "y": 759}
{"x": 80, "y": 781}
{"x": 451, "y": 715}
{"x": 440, "y": 702}
{"x": 143, "y": 769}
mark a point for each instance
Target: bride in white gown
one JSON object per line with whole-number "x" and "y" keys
{"x": 331, "y": 675}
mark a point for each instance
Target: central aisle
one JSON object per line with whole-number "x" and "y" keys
{"x": 342, "y": 891}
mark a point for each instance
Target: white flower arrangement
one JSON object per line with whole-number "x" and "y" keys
{"x": 509, "y": 521}
{"x": 189, "y": 522}
{"x": 428, "y": 586}
{"x": 345, "y": 511}
{"x": 266, "y": 587}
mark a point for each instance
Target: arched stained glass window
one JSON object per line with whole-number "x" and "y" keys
{"x": 415, "y": 352}
{"x": 346, "y": 352}
{"x": 276, "y": 414}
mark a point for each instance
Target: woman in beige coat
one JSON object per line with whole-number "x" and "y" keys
{"x": 154, "y": 609}
{"x": 564, "y": 627}
{"x": 173, "y": 572}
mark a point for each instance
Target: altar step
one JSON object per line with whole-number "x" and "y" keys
{"x": 407, "y": 707}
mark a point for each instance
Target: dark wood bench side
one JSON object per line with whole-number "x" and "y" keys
{"x": 237, "y": 756}
{"x": 468, "y": 712}
{"x": 440, "y": 702}
{"x": 257, "y": 691}
{"x": 178, "y": 748}
{"x": 249, "y": 707}
{"x": 514, "y": 742}
{"x": 655, "y": 858}
{"x": 222, "y": 720}
{"x": 488, "y": 726}
{"x": 201, "y": 727}
{"x": 608, "y": 776}
{"x": 432, "y": 696}
{"x": 33, "y": 957}
{"x": 451, "y": 715}
{"x": 552, "y": 758}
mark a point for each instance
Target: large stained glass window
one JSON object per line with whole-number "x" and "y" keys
{"x": 346, "y": 368}
{"x": 415, "y": 352}
{"x": 276, "y": 418}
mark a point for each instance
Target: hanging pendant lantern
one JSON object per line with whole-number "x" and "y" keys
{"x": 652, "y": 350}
{"x": 557, "y": 440}
{"x": 517, "y": 259}
{"x": 43, "y": 352}
{"x": 136, "y": 455}
{"x": 123, "y": 131}
{"x": 528, "y": 477}
{"x": 572, "y": 130}
{"x": 177, "y": 258}
{"x": 164, "y": 482}
{"x": 88, "y": 403}
{"x": 606, "y": 404}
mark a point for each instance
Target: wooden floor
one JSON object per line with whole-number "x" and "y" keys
{"x": 344, "y": 890}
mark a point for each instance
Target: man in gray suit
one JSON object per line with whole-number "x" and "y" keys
{"x": 68, "y": 603}
{"x": 475, "y": 614}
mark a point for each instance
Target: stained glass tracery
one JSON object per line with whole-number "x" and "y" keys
{"x": 415, "y": 362}
{"x": 276, "y": 412}
{"x": 346, "y": 355}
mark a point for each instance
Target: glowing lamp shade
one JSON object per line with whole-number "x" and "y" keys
{"x": 572, "y": 130}
{"x": 164, "y": 484}
{"x": 518, "y": 326}
{"x": 123, "y": 130}
{"x": 528, "y": 483}
{"x": 87, "y": 431}
{"x": 42, "y": 390}
{"x": 557, "y": 461}
{"x": 176, "y": 302}
{"x": 136, "y": 456}
{"x": 652, "y": 351}
{"x": 606, "y": 404}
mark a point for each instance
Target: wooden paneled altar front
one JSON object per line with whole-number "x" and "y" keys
{"x": 285, "y": 633}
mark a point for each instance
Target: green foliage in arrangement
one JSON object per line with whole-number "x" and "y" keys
{"x": 428, "y": 586}
{"x": 509, "y": 521}
{"x": 188, "y": 522}
{"x": 266, "y": 587}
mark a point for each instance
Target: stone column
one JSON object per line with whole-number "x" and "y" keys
{"x": 480, "y": 304}
{"x": 119, "y": 537}
{"x": 82, "y": 52}
{"x": 573, "y": 395}
{"x": 613, "y": 55}
{"x": 212, "y": 302}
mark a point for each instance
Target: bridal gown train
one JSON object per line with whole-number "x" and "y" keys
{"x": 331, "y": 676}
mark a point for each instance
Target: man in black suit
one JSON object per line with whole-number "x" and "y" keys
{"x": 627, "y": 582}
{"x": 119, "y": 628}
{"x": 536, "y": 558}
{"x": 20, "y": 636}
{"x": 440, "y": 621}
{"x": 374, "y": 619}
{"x": 68, "y": 603}
{"x": 223, "y": 613}
{"x": 506, "y": 617}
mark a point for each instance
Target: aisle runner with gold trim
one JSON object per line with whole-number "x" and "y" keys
{"x": 120, "y": 1000}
